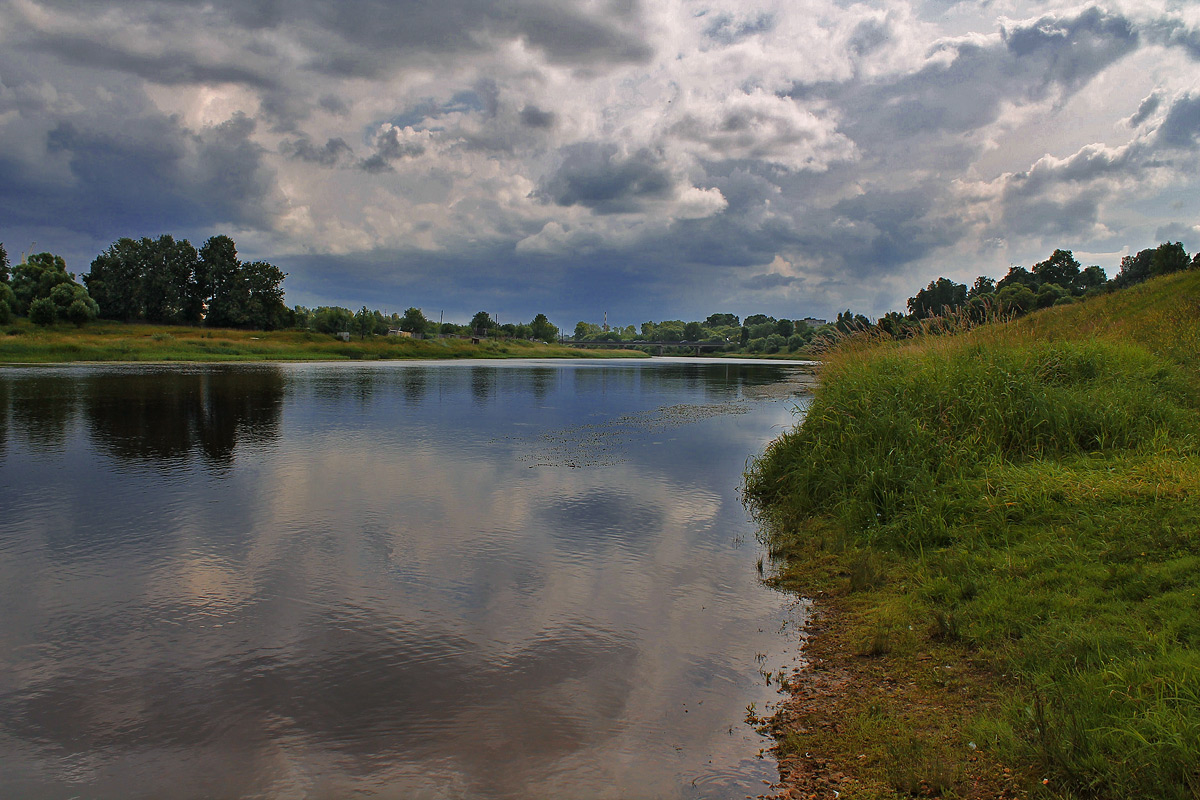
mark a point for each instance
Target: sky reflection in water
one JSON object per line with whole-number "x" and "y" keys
{"x": 424, "y": 580}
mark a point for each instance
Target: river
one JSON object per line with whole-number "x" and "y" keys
{"x": 394, "y": 580}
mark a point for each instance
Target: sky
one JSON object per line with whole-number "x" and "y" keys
{"x": 652, "y": 159}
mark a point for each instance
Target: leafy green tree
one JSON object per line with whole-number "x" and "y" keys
{"x": 115, "y": 280}
{"x": 333, "y": 319}
{"x": 239, "y": 295}
{"x": 364, "y": 322}
{"x": 168, "y": 287}
{"x": 1092, "y": 277}
{"x": 414, "y": 322}
{"x": 542, "y": 330}
{"x": 983, "y": 286}
{"x": 670, "y": 331}
{"x": 1060, "y": 268}
{"x": 847, "y": 322}
{"x": 1134, "y": 269}
{"x": 36, "y": 276}
{"x": 722, "y": 321}
{"x": 1169, "y": 258}
{"x": 5, "y": 311}
{"x": 586, "y": 330}
{"x": 758, "y": 319}
{"x": 940, "y": 297}
{"x": 265, "y": 309}
{"x": 222, "y": 283}
{"x": 693, "y": 331}
{"x": 482, "y": 322}
{"x": 649, "y": 331}
{"x": 1017, "y": 298}
{"x": 81, "y": 312}
{"x": 72, "y": 302}
{"x": 42, "y": 311}
{"x": 8, "y": 296}
{"x": 1018, "y": 276}
{"x": 3, "y": 264}
{"x": 894, "y": 324}
{"x": 785, "y": 327}
{"x": 1049, "y": 294}
{"x": 744, "y": 337}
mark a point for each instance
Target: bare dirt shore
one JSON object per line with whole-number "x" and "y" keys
{"x": 854, "y": 726}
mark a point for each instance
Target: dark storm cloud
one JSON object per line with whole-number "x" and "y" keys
{"x": 1174, "y": 33}
{"x": 534, "y": 117}
{"x": 1175, "y": 232}
{"x": 725, "y": 29}
{"x": 768, "y": 281}
{"x": 883, "y": 229}
{"x": 334, "y": 105}
{"x": 1147, "y": 107}
{"x": 1054, "y": 218}
{"x": 1047, "y": 58}
{"x": 390, "y": 147}
{"x": 599, "y": 177}
{"x": 142, "y": 173}
{"x": 1181, "y": 127}
{"x": 172, "y": 67}
{"x": 352, "y": 38}
{"x": 335, "y": 151}
{"x": 370, "y": 34}
{"x": 869, "y": 35}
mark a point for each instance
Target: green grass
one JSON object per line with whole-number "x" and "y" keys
{"x": 1027, "y": 495}
{"x": 22, "y": 343}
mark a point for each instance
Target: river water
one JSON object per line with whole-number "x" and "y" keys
{"x": 425, "y": 580}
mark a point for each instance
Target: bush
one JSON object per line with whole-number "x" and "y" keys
{"x": 43, "y": 311}
{"x": 5, "y": 313}
{"x": 80, "y": 312}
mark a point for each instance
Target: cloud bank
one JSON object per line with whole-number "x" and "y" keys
{"x": 652, "y": 160}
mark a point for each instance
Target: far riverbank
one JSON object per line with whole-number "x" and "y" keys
{"x": 23, "y": 343}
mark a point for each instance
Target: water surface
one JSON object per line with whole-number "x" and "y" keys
{"x": 435, "y": 580}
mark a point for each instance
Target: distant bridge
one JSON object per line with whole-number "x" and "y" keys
{"x": 697, "y": 346}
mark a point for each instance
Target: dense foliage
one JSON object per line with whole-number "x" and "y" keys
{"x": 167, "y": 281}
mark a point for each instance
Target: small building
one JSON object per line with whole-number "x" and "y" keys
{"x": 400, "y": 333}
{"x": 343, "y": 335}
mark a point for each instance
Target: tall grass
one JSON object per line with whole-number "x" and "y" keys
{"x": 1037, "y": 485}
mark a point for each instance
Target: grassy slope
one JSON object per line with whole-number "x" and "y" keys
{"x": 109, "y": 341}
{"x": 1017, "y": 507}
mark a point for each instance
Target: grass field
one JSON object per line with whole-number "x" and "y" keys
{"x": 1008, "y": 524}
{"x": 22, "y": 343}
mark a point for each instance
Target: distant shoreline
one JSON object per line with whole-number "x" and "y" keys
{"x": 113, "y": 342}
{"x": 24, "y": 344}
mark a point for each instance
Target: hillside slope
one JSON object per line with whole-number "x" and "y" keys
{"x": 1021, "y": 505}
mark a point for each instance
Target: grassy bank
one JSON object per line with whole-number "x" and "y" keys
{"x": 22, "y": 343}
{"x": 1007, "y": 525}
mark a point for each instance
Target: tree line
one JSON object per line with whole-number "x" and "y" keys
{"x": 168, "y": 281}
{"x": 149, "y": 280}
{"x": 1058, "y": 280}
{"x": 366, "y": 322}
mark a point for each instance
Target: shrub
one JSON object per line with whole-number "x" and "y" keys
{"x": 43, "y": 311}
